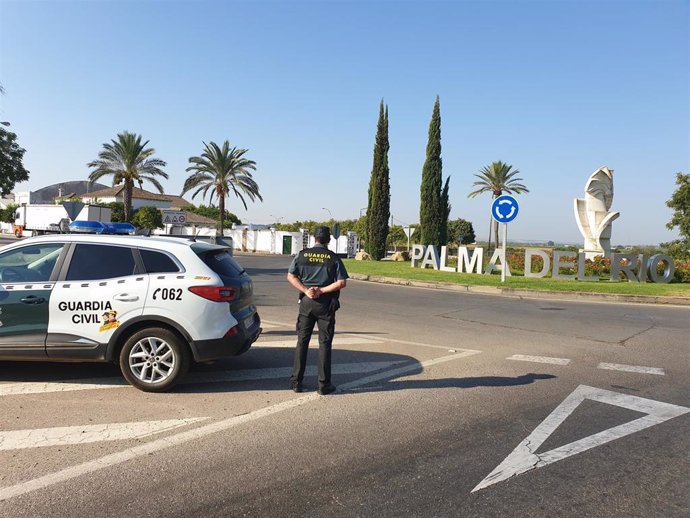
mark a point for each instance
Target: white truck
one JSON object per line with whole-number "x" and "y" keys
{"x": 31, "y": 220}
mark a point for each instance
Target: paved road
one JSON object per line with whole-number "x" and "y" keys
{"x": 446, "y": 408}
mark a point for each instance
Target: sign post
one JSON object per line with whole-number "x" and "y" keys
{"x": 336, "y": 234}
{"x": 408, "y": 232}
{"x": 504, "y": 210}
{"x": 173, "y": 217}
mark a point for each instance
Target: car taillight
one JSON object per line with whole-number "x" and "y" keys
{"x": 232, "y": 331}
{"x": 215, "y": 293}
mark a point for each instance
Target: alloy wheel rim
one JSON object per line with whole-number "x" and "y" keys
{"x": 152, "y": 360}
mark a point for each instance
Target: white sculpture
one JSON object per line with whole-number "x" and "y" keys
{"x": 593, "y": 215}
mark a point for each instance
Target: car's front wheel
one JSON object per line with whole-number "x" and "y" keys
{"x": 154, "y": 359}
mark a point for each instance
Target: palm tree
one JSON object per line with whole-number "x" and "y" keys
{"x": 129, "y": 161}
{"x": 220, "y": 171}
{"x": 497, "y": 178}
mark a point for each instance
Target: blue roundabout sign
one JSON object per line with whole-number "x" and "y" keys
{"x": 505, "y": 209}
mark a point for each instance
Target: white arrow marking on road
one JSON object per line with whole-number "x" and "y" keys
{"x": 524, "y": 459}
{"x": 13, "y": 389}
{"x": 66, "y": 435}
{"x": 203, "y": 431}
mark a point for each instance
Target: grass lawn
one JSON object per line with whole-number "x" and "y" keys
{"x": 403, "y": 270}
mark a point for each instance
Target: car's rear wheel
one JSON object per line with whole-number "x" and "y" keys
{"x": 154, "y": 359}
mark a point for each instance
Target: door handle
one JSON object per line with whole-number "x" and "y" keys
{"x": 33, "y": 299}
{"x": 126, "y": 297}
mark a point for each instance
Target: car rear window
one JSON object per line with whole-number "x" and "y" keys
{"x": 221, "y": 262}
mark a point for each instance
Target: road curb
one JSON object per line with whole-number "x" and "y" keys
{"x": 527, "y": 293}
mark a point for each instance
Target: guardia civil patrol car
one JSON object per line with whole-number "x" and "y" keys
{"x": 151, "y": 304}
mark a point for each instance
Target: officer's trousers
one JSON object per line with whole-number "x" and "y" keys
{"x": 319, "y": 311}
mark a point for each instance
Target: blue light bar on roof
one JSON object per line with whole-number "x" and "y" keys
{"x": 119, "y": 228}
{"x": 96, "y": 227}
{"x": 87, "y": 227}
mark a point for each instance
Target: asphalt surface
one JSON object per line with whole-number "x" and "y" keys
{"x": 429, "y": 405}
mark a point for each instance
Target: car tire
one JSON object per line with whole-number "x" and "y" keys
{"x": 154, "y": 359}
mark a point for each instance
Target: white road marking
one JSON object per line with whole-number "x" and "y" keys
{"x": 338, "y": 340}
{"x": 285, "y": 372}
{"x": 267, "y": 325}
{"x": 13, "y": 389}
{"x": 631, "y": 368}
{"x": 539, "y": 359}
{"x": 524, "y": 459}
{"x": 202, "y": 431}
{"x": 40, "y": 387}
{"x": 278, "y": 324}
{"x": 66, "y": 435}
{"x": 408, "y": 342}
{"x": 449, "y": 348}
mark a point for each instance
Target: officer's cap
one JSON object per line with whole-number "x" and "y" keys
{"x": 323, "y": 234}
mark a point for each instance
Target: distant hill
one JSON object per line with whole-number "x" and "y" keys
{"x": 78, "y": 188}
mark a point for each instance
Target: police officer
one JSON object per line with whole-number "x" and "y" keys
{"x": 319, "y": 275}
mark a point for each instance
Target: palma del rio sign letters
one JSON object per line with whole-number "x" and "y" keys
{"x": 636, "y": 268}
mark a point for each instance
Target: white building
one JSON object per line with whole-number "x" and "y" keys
{"x": 140, "y": 198}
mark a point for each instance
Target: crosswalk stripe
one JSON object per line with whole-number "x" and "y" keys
{"x": 67, "y": 435}
{"x": 631, "y": 368}
{"x": 267, "y": 325}
{"x": 539, "y": 359}
{"x": 13, "y": 389}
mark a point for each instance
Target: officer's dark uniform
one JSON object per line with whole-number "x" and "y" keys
{"x": 316, "y": 267}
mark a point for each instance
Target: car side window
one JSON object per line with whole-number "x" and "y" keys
{"x": 32, "y": 263}
{"x": 92, "y": 262}
{"x": 158, "y": 262}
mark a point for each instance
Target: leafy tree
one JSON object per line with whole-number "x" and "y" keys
{"x": 680, "y": 203}
{"x": 433, "y": 207}
{"x": 220, "y": 171}
{"x": 7, "y": 214}
{"x": 128, "y": 160}
{"x": 678, "y": 249}
{"x": 458, "y": 228}
{"x": 148, "y": 217}
{"x": 117, "y": 211}
{"x": 360, "y": 226}
{"x": 214, "y": 213}
{"x": 11, "y": 166}
{"x": 378, "y": 208}
{"x": 396, "y": 236}
{"x": 497, "y": 178}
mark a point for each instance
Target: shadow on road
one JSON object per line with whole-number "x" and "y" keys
{"x": 267, "y": 369}
{"x": 479, "y": 381}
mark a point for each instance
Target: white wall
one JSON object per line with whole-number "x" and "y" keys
{"x": 159, "y": 204}
{"x": 265, "y": 241}
{"x": 179, "y": 230}
{"x": 342, "y": 244}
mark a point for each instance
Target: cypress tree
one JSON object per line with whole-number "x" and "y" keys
{"x": 445, "y": 212}
{"x": 378, "y": 208}
{"x": 431, "y": 210}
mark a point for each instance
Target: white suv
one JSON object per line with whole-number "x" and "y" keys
{"x": 151, "y": 304}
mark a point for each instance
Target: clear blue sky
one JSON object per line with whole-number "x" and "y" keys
{"x": 555, "y": 88}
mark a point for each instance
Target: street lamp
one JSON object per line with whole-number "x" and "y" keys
{"x": 275, "y": 218}
{"x": 329, "y": 212}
